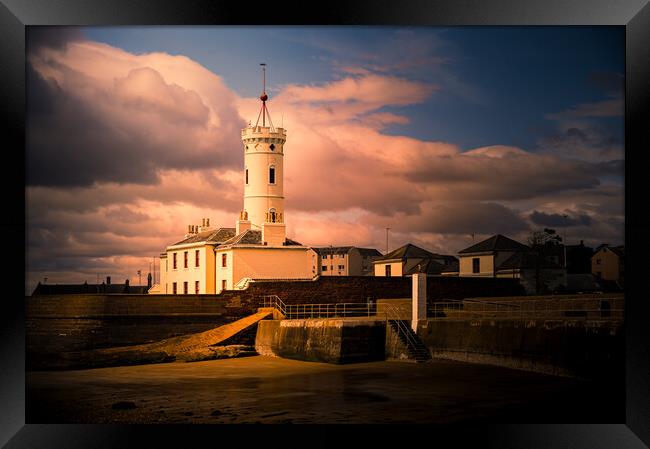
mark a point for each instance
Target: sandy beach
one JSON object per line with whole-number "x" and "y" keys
{"x": 273, "y": 390}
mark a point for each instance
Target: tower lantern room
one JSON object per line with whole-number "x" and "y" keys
{"x": 263, "y": 176}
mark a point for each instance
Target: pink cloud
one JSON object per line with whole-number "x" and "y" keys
{"x": 173, "y": 120}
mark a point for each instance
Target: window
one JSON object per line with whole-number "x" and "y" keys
{"x": 388, "y": 268}
{"x": 341, "y": 267}
{"x": 196, "y": 258}
{"x": 246, "y": 176}
{"x": 272, "y": 215}
{"x": 272, "y": 147}
{"x": 184, "y": 259}
{"x": 224, "y": 259}
{"x": 196, "y": 287}
{"x": 185, "y": 288}
{"x": 476, "y": 265}
{"x": 599, "y": 261}
{"x": 223, "y": 284}
{"x": 174, "y": 290}
{"x": 272, "y": 174}
{"x": 324, "y": 268}
{"x": 175, "y": 261}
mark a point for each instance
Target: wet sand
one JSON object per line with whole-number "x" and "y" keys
{"x": 273, "y": 390}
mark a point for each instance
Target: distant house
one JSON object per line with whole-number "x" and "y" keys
{"x": 86, "y": 288}
{"x": 608, "y": 263}
{"x": 537, "y": 274}
{"x": 410, "y": 259}
{"x": 484, "y": 258}
{"x": 578, "y": 258}
{"x": 346, "y": 260}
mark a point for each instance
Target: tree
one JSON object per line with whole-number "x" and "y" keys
{"x": 548, "y": 236}
{"x": 543, "y": 243}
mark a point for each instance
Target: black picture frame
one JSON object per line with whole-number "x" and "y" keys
{"x": 634, "y": 15}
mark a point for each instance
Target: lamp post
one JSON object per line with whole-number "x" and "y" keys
{"x": 387, "y": 229}
{"x": 565, "y": 242}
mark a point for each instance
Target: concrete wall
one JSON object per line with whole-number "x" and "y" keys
{"x": 486, "y": 265}
{"x": 575, "y": 348}
{"x": 323, "y": 340}
{"x": 395, "y": 269}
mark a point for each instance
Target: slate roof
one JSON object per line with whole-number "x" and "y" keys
{"x": 526, "y": 259}
{"x": 365, "y": 252}
{"x": 426, "y": 265}
{"x": 369, "y": 252}
{"x": 495, "y": 243}
{"x": 252, "y": 237}
{"x": 216, "y": 236}
{"x": 409, "y": 251}
{"x": 332, "y": 250}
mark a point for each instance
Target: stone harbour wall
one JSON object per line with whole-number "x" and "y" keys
{"x": 322, "y": 340}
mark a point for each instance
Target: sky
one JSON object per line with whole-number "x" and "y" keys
{"x": 444, "y": 135}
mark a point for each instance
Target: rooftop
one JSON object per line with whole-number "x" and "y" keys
{"x": 214, "y": 236}
{"x": 495, "y": 243}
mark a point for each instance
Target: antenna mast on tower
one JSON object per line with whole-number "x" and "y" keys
{"x": 264, "y": 112}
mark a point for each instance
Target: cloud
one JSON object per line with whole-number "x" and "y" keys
{"x": 373, "y": 90}
{"x": 100, "y": 114}
{"x": 124, "y": 150}
{"x": 604, "y": 108}
{"x": 563, "y": 220}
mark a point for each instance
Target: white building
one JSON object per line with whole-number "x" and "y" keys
{"x": 210, "y": 260}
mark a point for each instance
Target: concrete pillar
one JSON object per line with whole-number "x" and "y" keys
{"x": 419, "y": 302}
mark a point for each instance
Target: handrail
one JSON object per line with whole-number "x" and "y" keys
{"x": 392, "y": 314}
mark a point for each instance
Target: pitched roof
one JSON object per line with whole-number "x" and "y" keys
{"x": 365, "y": 252}
{"x": 409, "y": 251}
{"x": 332, "y": 249}
{"x": 216, "y": 236}
{"x": 495, "y": 243}
{"x": 426, "y": 265}
{"x": 252, "y": 237}
{"x": 527, "y": 259}
{"x": 369, "y": 252}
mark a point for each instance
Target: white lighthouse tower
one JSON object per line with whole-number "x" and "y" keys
{"x": 263, "y": 171}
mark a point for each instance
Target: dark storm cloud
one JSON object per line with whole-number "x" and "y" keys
{"x": 464, "y": 217}
{"x": 563, "y": 220}
{"x": 55, "y": 37}
{"x": 121, "y": 135}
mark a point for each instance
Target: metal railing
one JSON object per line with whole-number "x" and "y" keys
{"x": 570, "y": 307}
{"x": 330, "y": 310}
{"x": 393, "y": 314}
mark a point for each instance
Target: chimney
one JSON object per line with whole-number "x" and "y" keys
{"x": 149, "y": 280}
{"x": 189, "y": 229}
{"x": 108, "y": 280}
{"x": 207, "y": 222}
{"x": 202, "y": 222}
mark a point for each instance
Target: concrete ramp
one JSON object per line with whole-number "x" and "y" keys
{"x": 194, "y": 347}
{"x": 215, "y": 336}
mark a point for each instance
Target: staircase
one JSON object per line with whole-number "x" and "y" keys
{"x": 409, "y": 338}
{"x": 413, "y": 344}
